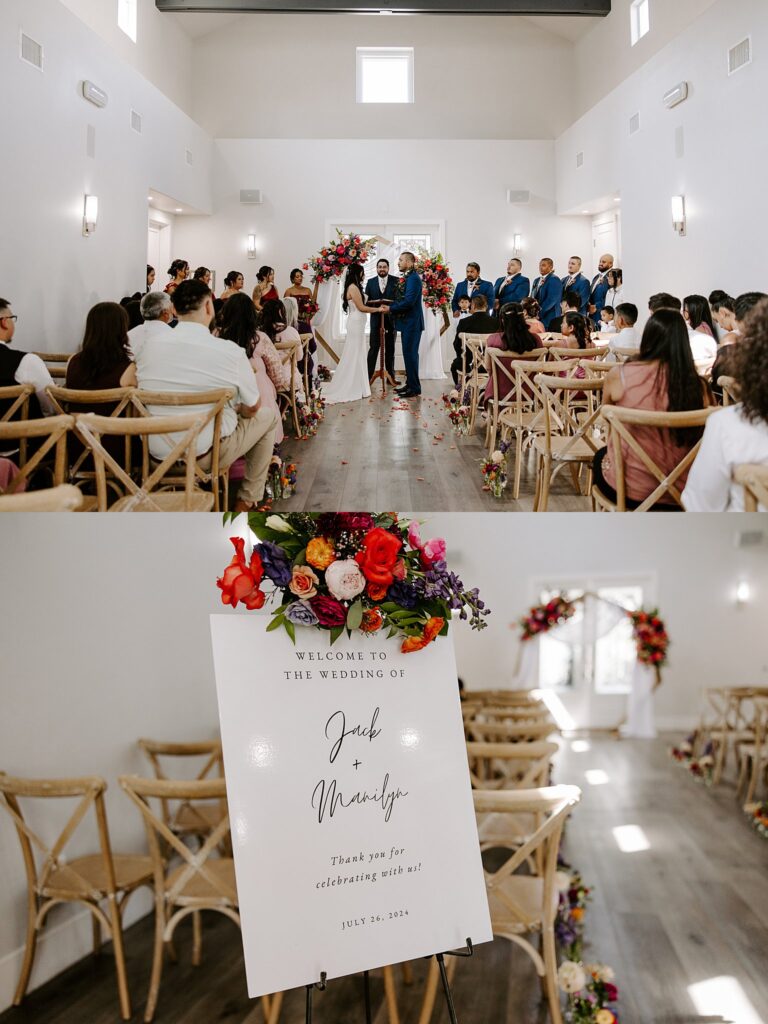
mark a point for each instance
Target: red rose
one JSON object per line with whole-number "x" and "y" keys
{"x": 240, "y": 581}
{"x": 379, "y": 556}
{"x": 339, "y": 248}
{"x": 330, "y": 612}
{"x": 611, "y": 992}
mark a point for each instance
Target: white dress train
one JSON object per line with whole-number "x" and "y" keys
{"x": 430, "y": 350}
{"x": 350, "y": 381}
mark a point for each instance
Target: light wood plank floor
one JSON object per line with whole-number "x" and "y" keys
{"x": 384, "y": 454}
{"x": 667, "y": 918}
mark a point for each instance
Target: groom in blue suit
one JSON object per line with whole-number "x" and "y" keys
{"x": 408, "y": 317}
{"x": 548, "y": 292}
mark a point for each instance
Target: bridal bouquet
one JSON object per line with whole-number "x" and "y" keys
{"x": 546, "y": 616}
{"x": 350, "y": 571}
{"x": 592, "y": 996}
{"x": 333, "y": 260}
{"x": 651, "y": 637}
{"x": 438, "y": 283}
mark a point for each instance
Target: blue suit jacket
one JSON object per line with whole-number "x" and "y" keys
{"x": 408, "y": 314}
{"x": 517, "y": 290}
{"x": 582, "y": 287}
{"x": 549, "y": 296}
{"x": 481, "y": 288}
{"x": 598, "y": 293}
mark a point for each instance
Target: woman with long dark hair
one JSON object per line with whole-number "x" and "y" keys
{"x": 576, "y": 331}
{"x": 701, "y": 332}
{"x": 350, "y": 381}
{"x": 662, "y": 379}
{"x": 103, "y": 360}
{"x": 515, "y": 338}
{"x": 150, "y": 279}
{"x": 265, "y": 290}
{"x": 178, "y": 272}
{"x": 615, "y": 281}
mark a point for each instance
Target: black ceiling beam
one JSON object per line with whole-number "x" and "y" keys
{"x": 585, "y": 8}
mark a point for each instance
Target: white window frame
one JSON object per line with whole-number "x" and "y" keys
{"x": 128, "y": 17}
{"x": 640, "y": 15}
{"x": 383, "y": 53}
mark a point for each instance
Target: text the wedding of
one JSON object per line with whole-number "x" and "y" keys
{"x": 352, "y": 819}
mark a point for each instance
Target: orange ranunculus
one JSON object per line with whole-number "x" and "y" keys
{"x": 320, "y": 553}
{"x": 373, "y": 620}
{"x": 376, "y": 592}
{"x": 241, "y": 580}
{"x": 577, "y": 913}
{"x": 379, "y": 556}
{"x": 303, "y": 582}
{"x": 418, "y": 643}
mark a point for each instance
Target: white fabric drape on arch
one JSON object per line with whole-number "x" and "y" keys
{"x": 640, "y": 723}
{"x": 430, "y": 349}
{"x": 326, "y": 318}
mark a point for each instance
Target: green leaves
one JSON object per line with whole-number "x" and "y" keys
{"x": 336, "y": 633}
{"x": 355, "y": 616}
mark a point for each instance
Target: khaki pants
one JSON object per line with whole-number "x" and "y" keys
{"x": 253, "y": 438}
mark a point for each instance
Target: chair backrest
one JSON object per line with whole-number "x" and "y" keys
{"x": 117, "y": 402}
{"x": 619, "y": 421}
{"x": 730, "y": 389}
{"x": 552, "y": 806}
{"x": 531, "y": 731}
{"x": 14, "y": 400}
{"x": 52, "y": 430}
{"x": 64, "y": 498}
{"x": 562, "y": 419}
{"x": 41, "y": 858}
{"x": 596, "y": 368}
{"x": 558, "y": 353}
{"x": 510, "y": 765}
{"x": 159, "y": 836}
{"x": 186, "y": 428}
{"x": 56, "y": 362}
{"x": 754, "y": 480}
{"x": 180, "y": 753}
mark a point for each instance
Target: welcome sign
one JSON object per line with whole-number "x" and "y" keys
{"x": 353, "y": 826}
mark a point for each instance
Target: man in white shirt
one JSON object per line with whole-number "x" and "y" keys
{"x": 189, "y": 359}
{"x": 625, "y": 319}
{"x": 21, "y": 367}
{"x": 157, "y": 310}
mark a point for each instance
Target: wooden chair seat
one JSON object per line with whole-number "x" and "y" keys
{"x": 198, "y": 889}
{"x": 565, "y": 449}
{"x": 196, "y": 819}
{"x": 198, "y": 501}
{"x": 87, "y": 876}
{"x": 527, "y": 894}
{"x": 496, "y": 828}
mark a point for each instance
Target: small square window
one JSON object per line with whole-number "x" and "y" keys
{"x": 641, "y": 19}
{"x": 127, "y": 17}
{"x": 385, "y": 74}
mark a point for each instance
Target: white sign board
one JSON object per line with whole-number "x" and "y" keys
{"x": 353, "y": 826}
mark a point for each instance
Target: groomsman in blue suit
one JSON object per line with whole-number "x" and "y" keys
{"x": 576, "y": 282}
{"x": 408, "y": 317}
{"x": 512, "y": 288}
{"x": 600, "y": 288}
{"x": 473, "y": 285}
{"x": 548, "y": 292}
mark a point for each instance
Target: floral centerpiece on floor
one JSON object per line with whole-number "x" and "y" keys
{"x": 651, "y": 637}
{"x": 324, "y": 374}
{"x": 458, "y": 412}
{"x": 316, "y": 402}
{"x": 592, "y": 995}
{"x": 758, "y": 814}
{"x": 702, "y": 768}
{"x": 438, "y": 283}
{"x": 282, "y": 478}
{"x": 544, "y": 617}
{"x": 350, "y": 571}
{"x": 494, "y": 472}
{"x": 684, "y": 753}
{"x": 310, "y": 418}
{"x": 332, "y": 261}
{"x": 573, "y": 897}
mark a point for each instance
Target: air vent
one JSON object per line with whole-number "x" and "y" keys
{"x": 740, "y": 55}
{"x": 136, "y": 121}
{"x": 188, "y": 156}
{"x": 518, "y": 196}
{"x": 31, "y": 52}
{"x": 634, "y": 124}
{"x": 579, "y": 159}
{"x": 251, "y": 196}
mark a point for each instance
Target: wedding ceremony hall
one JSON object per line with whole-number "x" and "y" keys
{"x": 479, "y": 256}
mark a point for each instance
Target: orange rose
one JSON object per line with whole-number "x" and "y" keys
{"x": 577, "y": 913}
{"x": 375, "y": 592}
{"x": 303, "y": 582}
{"x": 373, "y": 620}
{"x": 320, "y": 553}
{"x": 418, "y": 643}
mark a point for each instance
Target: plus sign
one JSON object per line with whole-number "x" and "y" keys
{"x": 357, "y": 765}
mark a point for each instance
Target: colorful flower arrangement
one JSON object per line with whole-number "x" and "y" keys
{"x": 310, "y": 417}
{"x": 758, "y": 814}
{"x": 350, "y": 572}
{"x": 546, "y": 616}
{"x": 308, "y": 309}
{"x": 702, "y": 768}
{"x": 494, "y": 472}
{"x": 592, "y": 995}
{"x": 458, "y": 412}
{"x": 573, "y": 897}
{"x": 332, "y": 261}
{"x": 324, "y": 374}
{"x": 282, "y": 478}
{"x": 438, "y": 283}
{"x": 651, "y": 637}
{"x": 684, "y": 753}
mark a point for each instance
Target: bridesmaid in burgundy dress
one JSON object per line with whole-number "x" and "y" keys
{"x": 265, "y": 289}
{"x": 303, "y": 297}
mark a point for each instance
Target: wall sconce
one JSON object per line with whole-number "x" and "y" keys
{"x": 517, "y": 245}
{"x": 743, "y": 594}
{"x": 90, "y": 214}
{"x": 678, "y": 214}
{"x": 251, "y": 247}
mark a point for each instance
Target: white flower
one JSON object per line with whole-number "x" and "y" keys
{"x": 278, "y": 524}
{"x": 453, "y": 395}
{"x": 563, "y": 881}
{"x": 571, "y": 977}
{"x": 707, "y": 761}
{"x": 602, "y": 972}
{"x": 344, "y": 579}
{"x": 498, "y": 458}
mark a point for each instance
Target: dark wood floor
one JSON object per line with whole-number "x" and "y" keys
{"x": 384, "y": 454}
{"x": 691, "y": 908}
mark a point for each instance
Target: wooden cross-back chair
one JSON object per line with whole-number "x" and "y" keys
{"x": 596, "y": 368}
{"x": 216, "y": 399}
{"x": 618, "y": 421}
{"x": 14, "y": 405}
{"x": 286, "y": 397}
{"x": 535, "y": 713}
{"x": 186, "y": 818}
{"x": 90, "y": 880}
{"x": 730, "y": 389}
{"x": 571, "y": 431}
{"x": 144, "y": 497}
{"x": 532, "y": 731}
{"x": 558, "y": 354}
{"x": 65, "y": 498}
{"x": 496, "y": 766}
{"x": 752, "y": 756}
{"x": 51, "y": 451}
{"x": 754, "y": 480}
{"x": 56, "y": 363}
{"x": 502, "y": 373}
{"x": 624, "y": 355}
{"x": 516, "y": 697}
{"x": 476, "y": 379}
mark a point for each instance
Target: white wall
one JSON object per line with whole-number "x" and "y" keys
{"x": 308, "y": 182}
{"x": 50, "y": 272}
{"x": 284, "y": 76}
{"x": 722, "y": 176}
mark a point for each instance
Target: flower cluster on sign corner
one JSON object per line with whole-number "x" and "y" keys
{"x": 438, "y": 283}
{"x": 651, "y": 637}
{"x": 348, "y": 572}
{"x": 592, "y": 995}
{"x": 544, "y": 617}
{"x": 332, "y": 261}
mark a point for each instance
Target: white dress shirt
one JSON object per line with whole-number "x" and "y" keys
{"x": 32, "y": 370}
{"x": 730, "y": 440}
{"x": 704, "y": 349}
{"x": 149, "y": 329}
{"x": 625, "y": 338}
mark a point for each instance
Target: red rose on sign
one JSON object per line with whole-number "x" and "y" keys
{"x": 339, "y": 248}
{"x": 241, "y": 580}
{"x": 379, "y": 557}
{"x": 330, "y": 612}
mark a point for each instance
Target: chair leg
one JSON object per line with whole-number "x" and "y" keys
{"x": 753, "y": 778}
{"x": 550, "y": 966}
{"x": 157, "y": 962}
{"x": 720, "y": 759}
{"x": 29, "y": 951}
{"x": 407, "y": 974}
{"x": 96, "y": 927}
{"x": 390, "y": 996}
{"x": 117, "y": 944}
{"x": 277, "y": 1005}
{"x": 518, "y": 462}
{"x": 430, "y": 993}
{"x": 197, "y": 938}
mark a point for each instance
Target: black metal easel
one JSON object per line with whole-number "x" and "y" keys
{"x": 440, "y": 957}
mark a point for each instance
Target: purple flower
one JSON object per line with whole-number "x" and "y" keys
{"x": 404, "y": 595}
{"x": 300, "y": 614}
{"x": 277, "y": 564}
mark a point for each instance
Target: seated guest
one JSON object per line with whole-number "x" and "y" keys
{"x": 723, "y": 313}
{"x": 664, "y": 301}
{"x": 465, "y": 307}
{"x": 737, "y": 435}
{"x": 607, "y": 320}
{"x": 274, "y": 323}
{"x": 571, "y": 304}
{"x": 157, "y": 310}
{"x": 626, "y": 335}
{"x": 22, "y": 367}
{"x": 473, "y": 285}
{"x": 514, "y": 287}
{"x": 178, "y": 273}
{"x": 293, "y": 307}
{"x": 548, "y": 292}
{"x": 478, "y": 322}
{"x": 701, "y": 331}
{"x": 662, "y": 379}
{"x": 615, "y": 281}
{"x": 192, "y": 360}
{"x": 104, "y": 359}
{"x": 515, "y": 338}
{"x": 531, "y": 311}
{"x": 576, "y": 332}
{"x": 575, "y": 281}
{"x": 727, "y": 354}
{"x": 233, "y": 282}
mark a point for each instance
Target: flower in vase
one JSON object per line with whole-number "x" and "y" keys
{"x": 563, "y": 881}
{"x": 571, "y": 977}
{"x": 344, "y": 579}
{"x": 497, "y": 458}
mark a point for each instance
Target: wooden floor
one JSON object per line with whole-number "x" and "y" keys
{"x": 383, "y": 454}
{"x": 667, "y": 918}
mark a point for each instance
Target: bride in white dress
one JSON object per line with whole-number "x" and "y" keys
{"x": 350, "y": 381}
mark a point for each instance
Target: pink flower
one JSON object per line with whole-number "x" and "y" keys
{"x": 433, "y": 551}
{"x": 414, "y": 536}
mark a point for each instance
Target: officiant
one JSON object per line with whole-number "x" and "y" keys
{"x": 383, "y": 286}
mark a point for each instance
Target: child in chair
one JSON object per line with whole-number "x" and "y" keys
{"x": 607, "y": 325}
